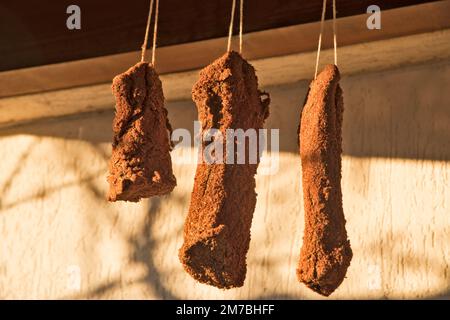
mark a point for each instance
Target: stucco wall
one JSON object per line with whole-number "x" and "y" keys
{"x": 61, "y": 239}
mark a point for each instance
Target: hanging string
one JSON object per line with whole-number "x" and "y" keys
{"x": 230, "y": 29}
{"x": 155, "y": 32}
{"x": 241, "y": 24}
{"x": 324, "y": 6}
{"x": 144, "y": 45}
{"x": 322, "y": 20}
{"x": 334, "y": 33}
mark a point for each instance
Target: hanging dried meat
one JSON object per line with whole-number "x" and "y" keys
{"x": 326, "y": 253}
{"x": 140, "y": 165}
{"x": 217, "y": 228}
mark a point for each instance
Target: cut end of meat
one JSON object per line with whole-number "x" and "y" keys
{"x": 326, "y": 252}
{"x": 140, "y": 165}
{"x": 211, "y": 260}
{"x": 323, "y": 272}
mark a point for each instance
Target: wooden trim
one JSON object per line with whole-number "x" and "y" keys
{"x": 283, "y": 41}
{"x": 36, "y": 32}
{"x": 371, "y": 56}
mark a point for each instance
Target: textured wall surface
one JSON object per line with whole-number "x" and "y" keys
{"x": 60, "y": 238}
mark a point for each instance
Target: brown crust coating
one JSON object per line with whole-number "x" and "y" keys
{"x": 140, "y": 165}
{"x": 217, "y": 228}
{"x": 326, "y": 253}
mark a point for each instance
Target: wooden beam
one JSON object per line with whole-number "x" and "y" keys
{"x": 34, "y": 32}
{"x": 283, "y": 41}
{"x": 384, "y": 54}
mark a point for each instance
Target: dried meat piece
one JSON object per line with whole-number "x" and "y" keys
{"x": 326, "y": 253}
{"x": 140, "y": 165}
{"x": 217, "y": 228}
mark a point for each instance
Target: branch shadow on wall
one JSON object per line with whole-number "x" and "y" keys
{"x": 391, "y": 250}
{"x": 142, "y": 244}
{"x": 374, "y": 126}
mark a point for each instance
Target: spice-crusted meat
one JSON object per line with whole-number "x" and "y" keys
{"x": 217, "y": 227}
{"x": 326, "y": 253}
{"x": 140, "y": 165}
